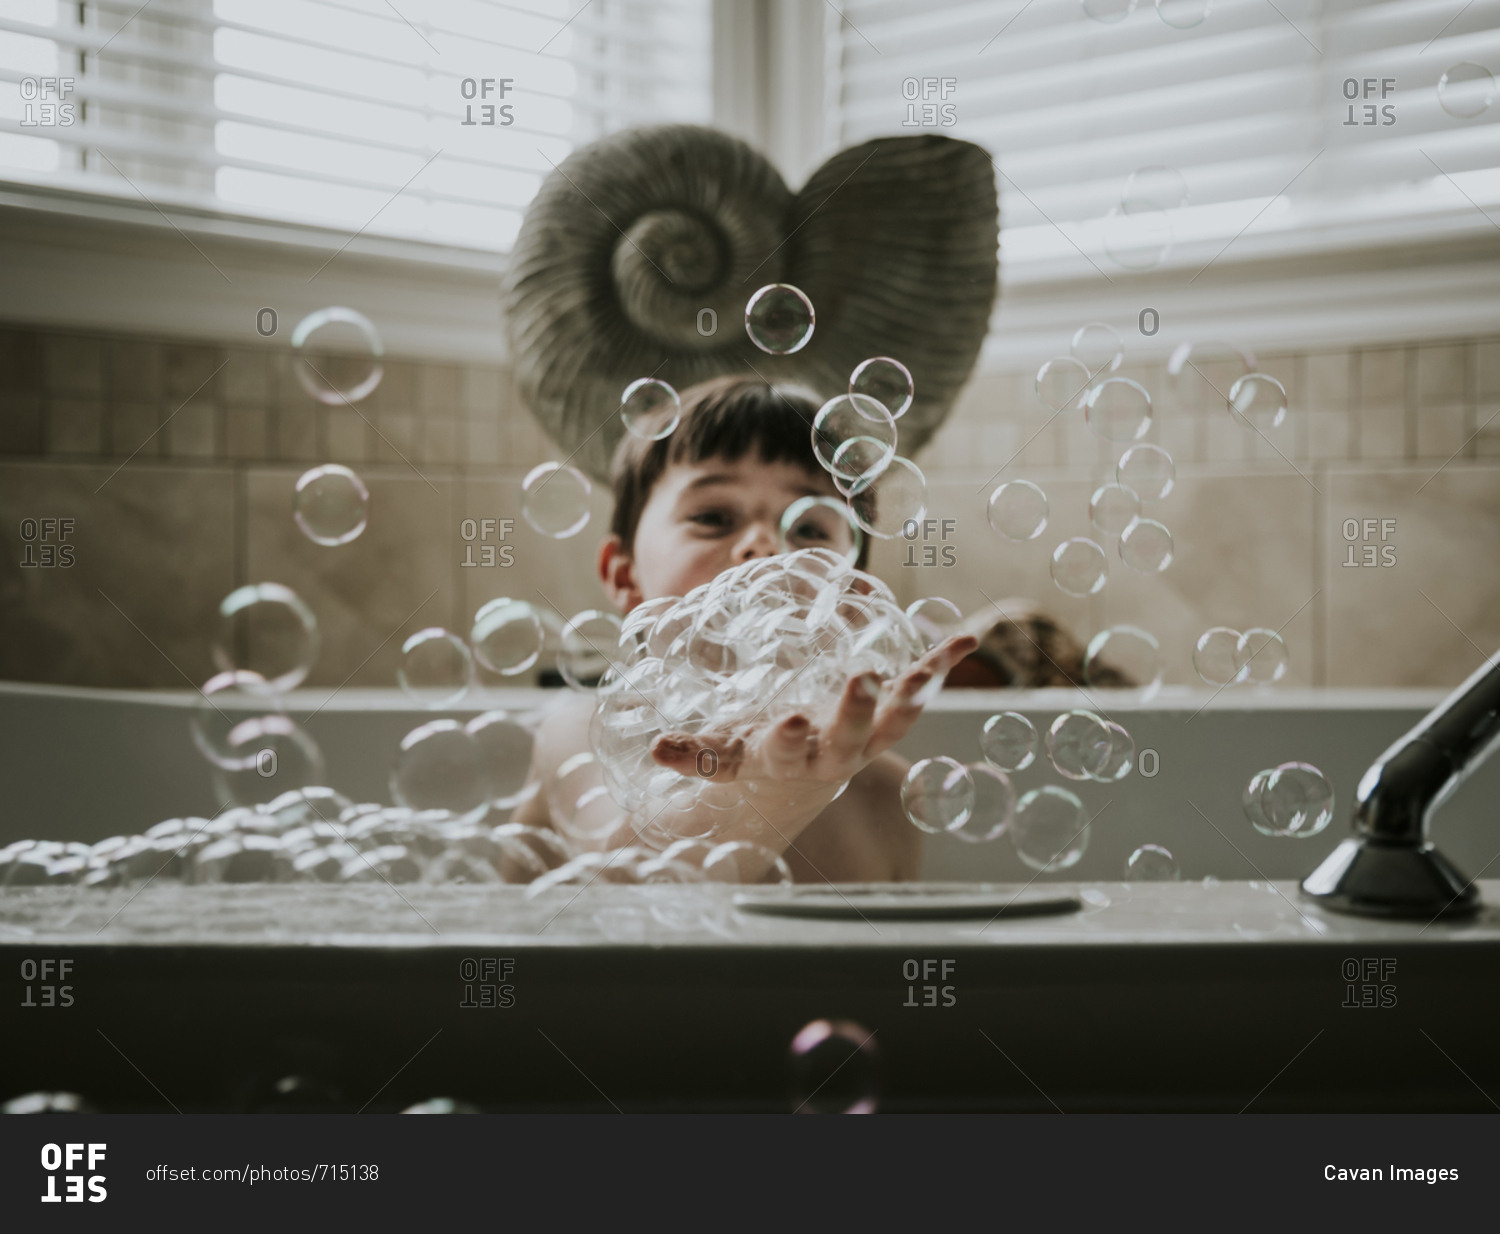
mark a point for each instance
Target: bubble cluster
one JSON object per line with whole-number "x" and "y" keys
{"x": 773, "y": 636}
{"x": 330, "y": 505}
{"x": 1294, "y": 799}
{"x": 779, "y": 319}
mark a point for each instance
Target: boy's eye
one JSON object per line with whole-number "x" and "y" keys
{"x": 711, "y": 518}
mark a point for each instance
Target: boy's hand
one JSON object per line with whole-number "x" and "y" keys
{"x": 794, "y": 750}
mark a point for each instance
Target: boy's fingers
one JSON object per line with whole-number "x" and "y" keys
{"x": 855, "y": 718}
{"x": 708, "y": 756}
{"x": 914, "y": 689}
{"x": 787, "y": 748}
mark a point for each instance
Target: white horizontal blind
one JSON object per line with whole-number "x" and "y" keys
{"x": 432, "y": 120}
{"x": 1250, "y": 105}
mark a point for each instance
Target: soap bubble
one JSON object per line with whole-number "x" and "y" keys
{"x": 935, "y": 619}
{"x": 266, "y": 756}
{"x": 507, "y": 636}
{"x": 1157, "y": 187}
{"x": 1148, "y": 470}
{"x": 435, "y": 668}
{"x": 556, "y": 500}
{"x": 650, "y": 409}
{"x": 1466, "y": 90}
{"x": 1079, "y": 566}
{"x": 742, "y": 862}
{"x": 1261, "y": 655}
{"x": 1112, "y": 507}
{"x": 504, "y": 745}
{"x": 440, "y": 766}
{"x": 1216, "y": 656}
{"x": 835, "y": 1069}
{"x": 1078, "y": 743}
{"x": 1257, "y": 401}
{"x": 1151, "y": 863}
{"x": 1062, "y": 382}
{"x": 1118, "y": 409}
{"x": 1146, "y": 546}
{"x": 862, "y": 428}
{"x": 779, "y": 319}
{"x": 220, "y": 706}
{"x": 886, "y": 381}
{"x": 896, "y": 500}
{"x": 1018, "y": 510}
{"x": 1050, "y": 830}
{"x": 267, "y": 629}
{"x": 821, "y": 522}
{"x": 1126, "y": 651}
{"x": 590, "y": 645}
{"x": 1294, "y": 799}
{"x": 331, "y": 505}
{"x": 579, "y": 801}
{"x": 1097, "y": 344}
{"x": 338, "y": 356}
{"x": 1109, "y": 10}
{"x": 1200, "y": 371}
{"x": 938, "y": 795}
{"x": 994, "y": 805}
{"x": 1008, "y": 741}
{"x": 1121, "y": 758}
{"x": 1137, "y": 235}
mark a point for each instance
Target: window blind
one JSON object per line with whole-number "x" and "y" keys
{"x": 431, "y": 120}
{"x": 1244, "y": 130}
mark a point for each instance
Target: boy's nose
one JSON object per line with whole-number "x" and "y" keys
{"x": 759, "y": 540}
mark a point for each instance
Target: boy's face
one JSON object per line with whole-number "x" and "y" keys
{"x": 703, "y": 518}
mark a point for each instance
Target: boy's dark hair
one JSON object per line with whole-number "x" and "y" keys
{"x": 727, "y": 418}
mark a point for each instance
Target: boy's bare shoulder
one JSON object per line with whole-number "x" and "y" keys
{"x": 864, "y": 836}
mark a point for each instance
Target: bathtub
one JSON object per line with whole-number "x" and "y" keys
{"x": 1223, "y": 992}
{"x": 82, "y": 764}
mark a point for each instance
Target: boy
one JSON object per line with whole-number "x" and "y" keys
{"x": 705, "y": 498}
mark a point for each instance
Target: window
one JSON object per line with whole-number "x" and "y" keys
{"x": 1189, "y": 133}
{"x": 429, "y": 120}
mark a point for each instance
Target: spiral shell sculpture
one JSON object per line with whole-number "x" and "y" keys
{"x": 638, "y": 255}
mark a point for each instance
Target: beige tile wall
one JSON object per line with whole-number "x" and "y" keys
{"x": 177, "y": 463}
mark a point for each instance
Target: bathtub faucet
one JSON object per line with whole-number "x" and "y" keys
{"x": 1389, "y": 868}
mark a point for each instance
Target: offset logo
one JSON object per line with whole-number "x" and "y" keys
{"x": 69, "y": 1157}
